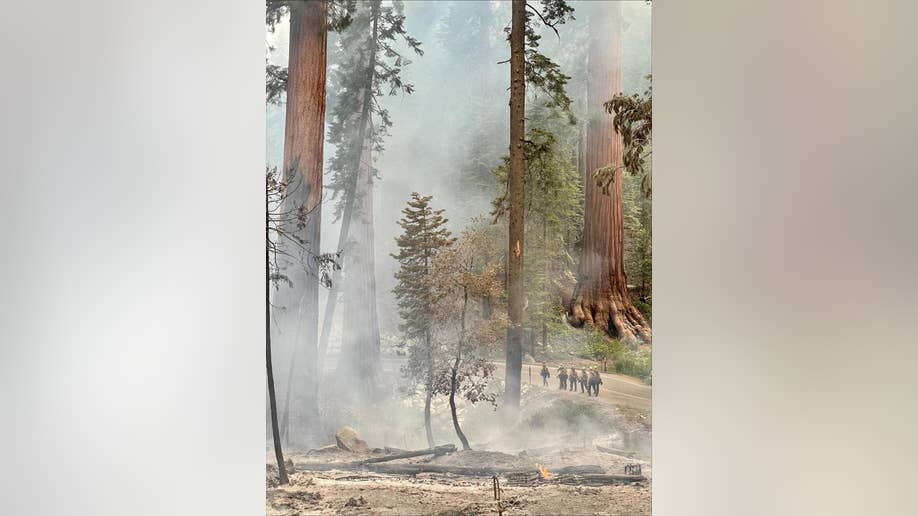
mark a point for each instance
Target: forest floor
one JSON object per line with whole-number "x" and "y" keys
{"x": 557, "y": 429}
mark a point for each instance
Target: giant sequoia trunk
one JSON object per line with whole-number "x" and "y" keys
{"x": 601, "y": 296}
{"x": 360, "y": 334}
{"x": 297, "y": 313}
{"x": 514, "y": 363}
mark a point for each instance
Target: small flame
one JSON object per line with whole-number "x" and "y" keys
{"x": 544, "y": 472}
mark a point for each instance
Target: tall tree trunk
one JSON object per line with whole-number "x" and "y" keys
{"x": 303, "y": 147}
{"x": 601, "y": 296}
{"x": 361, "y": 172}
{"x": 427, "y": 426}
{"x": 453, "y": 378}
{"x": 360, "y": 335}
{"x": 514, "y": 361}
{"x": 428, "y": 391}
{"x": 272, "y": 397}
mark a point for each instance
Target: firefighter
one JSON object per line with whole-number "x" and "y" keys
{"x": 595, "y": 382}
{"x": 572, "y": 379}
{"x": 562, "y": 378}
{"x": 545, "y": 375}
{"x": 584, "y": 379}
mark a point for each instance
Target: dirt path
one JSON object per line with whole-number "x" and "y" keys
{"x": 620, "y": 390}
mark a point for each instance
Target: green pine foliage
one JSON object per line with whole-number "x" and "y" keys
{"x": 638, "y": 242}
{"x": 368, "y": 66}
{"x": 540, "y": 70}
{"x": 339, "y": 13}
{"x": 634, "y": 121}
{"x": 424, "y": 235}
{"x": 553, "y": 216}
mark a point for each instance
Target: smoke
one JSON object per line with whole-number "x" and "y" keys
{"x": 446, "y": 137}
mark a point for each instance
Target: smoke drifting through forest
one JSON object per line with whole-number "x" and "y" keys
{"x": 447, "y": 137}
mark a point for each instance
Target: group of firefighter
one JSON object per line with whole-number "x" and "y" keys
{"x": 568, "y": 379}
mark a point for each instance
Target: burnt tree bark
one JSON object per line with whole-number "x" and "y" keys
{"x": 428, "y": 395}
{"x": 453, "y": 383}
{"x": 601, "y": 296}
{"x": 303, "y": 158}
{"x": 514, "y": 358}
{"x": 272, "y": 396}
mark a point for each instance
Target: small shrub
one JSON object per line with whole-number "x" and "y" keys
{"x": 637, "y": 363}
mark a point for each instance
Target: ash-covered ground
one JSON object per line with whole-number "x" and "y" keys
{"x": 559, "y": 431}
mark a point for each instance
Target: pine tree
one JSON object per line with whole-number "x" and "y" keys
{"x": 424, "y": 236}
{"x": 527, "y": 65}
{"x": 553, "y": 215}
{"x": 369, "y": 67}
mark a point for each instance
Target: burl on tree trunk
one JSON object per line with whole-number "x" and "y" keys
{"x": 601, "y": 298}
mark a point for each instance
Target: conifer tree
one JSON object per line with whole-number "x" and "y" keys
{"x": 369, "y": 67}
{"x": 527, "y": 65}
{"x": 553, "y": 216}
{"x": 601, "y": 297}
{"x": 424, "y": 235}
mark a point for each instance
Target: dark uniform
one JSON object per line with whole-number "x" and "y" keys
{"x": 595, "y": 382}
{"x": 562, "y": 378}
{"x": 545, "y": 375}
{"x": 572, "y": 379}
{"x": 583, "y": 380}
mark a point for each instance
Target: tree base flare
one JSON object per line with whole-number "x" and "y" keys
{"x": 613, "y": 314}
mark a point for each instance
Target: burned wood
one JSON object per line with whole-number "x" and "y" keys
{"x": 588, "y": 471}
{"x": 411, "y": 469}
{"x": 597, "y": 479}
{"x": 581, "y": 470}
{"x": 616, "y": 451}
{"x": 439, "y": 450}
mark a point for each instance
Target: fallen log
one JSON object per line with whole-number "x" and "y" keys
{"x": 616, "y": 451}
{"x": 598, "y": 479}
{"x": 439, "y": 450}
{"x": 411, "y": 469}
{"x": 580, "y": 470}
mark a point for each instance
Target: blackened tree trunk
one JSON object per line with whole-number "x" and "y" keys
{"x": 514, "y": 360}
{"x": 272, "y": 396}
{"x": 453, "y": 377}
{"x": 428, "y": 391}
{"x": 601, "y": 296}
{"x": 303, "y": 158}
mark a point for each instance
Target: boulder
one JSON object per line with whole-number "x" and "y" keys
{"x": 347, "y": 439}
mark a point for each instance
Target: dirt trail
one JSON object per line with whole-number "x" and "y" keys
{"x": 620, "y": 390}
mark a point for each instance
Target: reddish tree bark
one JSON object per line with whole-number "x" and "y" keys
{"x": 601, "y": 296}
{"x": 304, "y": 136}
{"x": 514, "y": 360}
